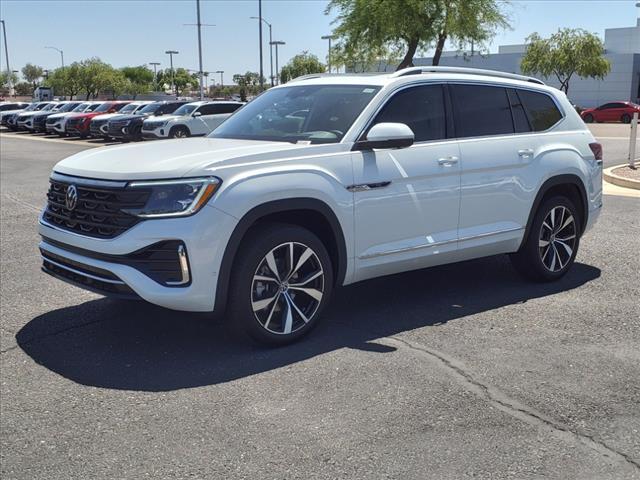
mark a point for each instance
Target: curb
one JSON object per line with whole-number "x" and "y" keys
{"x": 619, "y": 181}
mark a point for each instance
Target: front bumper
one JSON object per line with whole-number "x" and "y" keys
{"x": 157, "y": 134}
{"x": 204, "y": 236}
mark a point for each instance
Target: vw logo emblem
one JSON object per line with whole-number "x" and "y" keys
{"x": 71, "y": 199}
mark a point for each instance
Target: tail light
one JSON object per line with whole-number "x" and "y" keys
{"x": 596, "y": 148}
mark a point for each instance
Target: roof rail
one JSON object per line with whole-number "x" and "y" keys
{"x": 325, "y": 74}
{"x": 464, "y": 70}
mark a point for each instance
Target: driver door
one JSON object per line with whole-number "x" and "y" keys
{"x": 407, "y": 200}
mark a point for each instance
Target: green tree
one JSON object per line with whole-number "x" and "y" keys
{"x": 247, "y": 83}
{"x": 140, "y": 79}
{"x": 7, "y": 79}
{"x": 302, "y": 64}
{"x": 32, "y": 73}
{"x": 23, "y": 88}
{"x": 94, "y": 76}
{"x": 65, "y": 81}
{"x": 368, "y": 30}
{"x": 564, "y": 54}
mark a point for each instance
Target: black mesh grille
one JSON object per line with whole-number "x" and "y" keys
{"x": 115, "y": 126}
{"x": 98, "y": 212}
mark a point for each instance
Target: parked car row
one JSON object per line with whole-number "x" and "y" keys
{"x": 119, "y": 119}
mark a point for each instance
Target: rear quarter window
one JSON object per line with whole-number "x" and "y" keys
{"x": 542, "y": 111}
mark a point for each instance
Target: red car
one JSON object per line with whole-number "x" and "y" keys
{"x": 78, "y": 125}
{"x": 611, "y": 112}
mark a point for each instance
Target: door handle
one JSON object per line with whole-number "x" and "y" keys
{"x": 448, "y": 161}
{"x": 526, "y": 152}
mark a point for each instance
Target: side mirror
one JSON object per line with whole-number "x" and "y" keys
{"x": 197, "y": 114}
{"x": 387, "y": 135}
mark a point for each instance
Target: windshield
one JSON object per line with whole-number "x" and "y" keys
{"x": 69, "y": 107}
{"x": 81, "y": 107}
{"x": 31, "y": 107}
{"x": 92, "y": 107}
{"x": 50, "y": 106}
{"x": 152, "y": 107}
{"x": 185, "y": 109}
{"x": 311, "y": 113}
{"x": 128, "y": 108}
{"x": 104, "y": 107}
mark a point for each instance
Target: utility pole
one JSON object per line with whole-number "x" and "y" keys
{"x": 171, "y": 53}
{"x": 6, "y": 52}
{"x": 61, "y": 55}
{"x": 270, "y": 46}
{"x": 155, "y": 74}
{"x": 221, "y": 72}
{"x": 276, "y": 43}
{"x": 260, "y": 43}
{"x": 328, "y": 37}
{"x": 199, "y": 25}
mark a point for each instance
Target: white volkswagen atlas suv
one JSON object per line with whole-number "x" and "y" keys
{"x": 327, "y": 181}
{"x": 191, "y": 119}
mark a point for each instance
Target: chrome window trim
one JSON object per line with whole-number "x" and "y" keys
{"x": 439, "y": 81}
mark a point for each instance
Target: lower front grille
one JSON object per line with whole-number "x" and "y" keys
{"x": 85, "y": 276}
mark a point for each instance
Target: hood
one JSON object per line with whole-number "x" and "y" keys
{"x": 10, "y": 112}
{"x": 179, "y": 158}
{"x": 28, "y": 114}
{"x": 125, "y": 116}
{"x": 165, "y": 118}
{"x": 109, "y": 116}
{"x": 63, "y": 114}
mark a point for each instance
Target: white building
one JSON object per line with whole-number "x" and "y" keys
{"x": 622, "y": 49}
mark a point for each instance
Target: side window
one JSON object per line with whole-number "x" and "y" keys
{"x": 481, "y": 110}
{"x": 170, "y": 107}
{"x": 541, "y": 109}
{"x": 207, "y": 109}
{"x": 228, "y": 107}
{"x": 520, "y": 121}
{"x": 421, "y": 108}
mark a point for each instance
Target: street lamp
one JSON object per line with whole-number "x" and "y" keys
{"x": 276, "y": 43}
{"x": 155, "y": 74}
{"x": 199, "y": 25}
{"x": 171, "y": 53}
{"x": 206, "y": 82}
{"x": 328, "y": 37}
{"x": 221, "y": 72}
{"x": 260, "y": 44}
{"x": 270, "y": 46}
{"x": 61, "y": 54}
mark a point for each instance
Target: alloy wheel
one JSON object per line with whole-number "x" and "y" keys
{"x": 557, "y": 239}
{"x": 287, "y": 288}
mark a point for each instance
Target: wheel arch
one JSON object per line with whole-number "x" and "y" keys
{"x": 309, "y": 213}
{"x": 568, "y": 185}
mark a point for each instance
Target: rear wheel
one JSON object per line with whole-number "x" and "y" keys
{"x": 282, "y": 279}
{"x": 588, "y": 118}
{"x": 179, "y": 132}
{"x": 626, "y": 118}
{"x": 552, "y": 242}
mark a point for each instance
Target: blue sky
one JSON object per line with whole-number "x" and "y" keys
{"x": 134, "y": 32}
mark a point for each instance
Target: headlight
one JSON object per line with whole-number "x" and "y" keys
{"x": 175, "y": 198}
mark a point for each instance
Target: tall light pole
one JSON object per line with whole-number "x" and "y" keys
{"x": 328, "y": 37}
{"x": 6, "y": 52}
{"x": 155, "y": 74}
{"x": 61, "y": 54}
{"x": 270, "y": 46}
{"x": 276, "y": 43}
{"x": 221, "y": 72}
{"x": 260, "y": 43}
{"x": 171, "y": 53}
{"x": 199, "y": 25}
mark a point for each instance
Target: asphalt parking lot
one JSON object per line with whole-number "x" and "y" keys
{"x": 463, "y": 371}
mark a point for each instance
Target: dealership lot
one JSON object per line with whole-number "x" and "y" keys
{"x": 465, "y": 370}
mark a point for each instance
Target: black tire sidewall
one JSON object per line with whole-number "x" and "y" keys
{"x": 531, "y": 253}
{"x": 256, "y": 244}
{"x": 588, "y": 118}
{"x": 626, "y": 118}
{"x": 172, "y": 132}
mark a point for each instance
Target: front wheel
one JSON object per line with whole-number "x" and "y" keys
{"x": 282, "y": 279}
{"x": 179, "y": 132}
{"x": 552, "y": 243}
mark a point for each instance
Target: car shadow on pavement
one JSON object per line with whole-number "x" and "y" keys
{"x": 137, "y": 346}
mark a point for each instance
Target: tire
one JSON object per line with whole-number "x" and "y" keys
{"x": 588, "y": 118}
{"x": 260, "y": 304}
{"x": 179, "y": 132}
{"x": 552, "y": 243}
{"x": 626, "y": 118}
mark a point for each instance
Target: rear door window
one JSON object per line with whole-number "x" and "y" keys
{"x": 542, "y": 111}
{"x": 481, "y": 110}
{"x": 421, "y": 108}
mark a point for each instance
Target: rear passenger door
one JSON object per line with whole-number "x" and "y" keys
{"x": 496, "y": 127}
